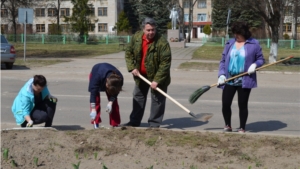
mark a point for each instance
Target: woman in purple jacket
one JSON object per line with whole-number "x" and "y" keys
{"x": 241, "y": 54}
{"x": 104, "y": 77}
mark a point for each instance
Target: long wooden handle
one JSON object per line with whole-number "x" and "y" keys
{"x": 165, "y": 94}
{"x": 245, "y": 73}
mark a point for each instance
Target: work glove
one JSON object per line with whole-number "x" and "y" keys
{"x": 252, "y": 68}
{"x": 221, "y": 80}
{"x": 52, "y": 98}
{"x": 93, "y": 114}
{"x": 29, "y": 124}
{"x": 109, "y": 107}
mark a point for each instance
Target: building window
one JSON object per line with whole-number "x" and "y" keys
{"x": 4, "y": 28}
{"x": 64, "y": 12}
{"x": 186, "y": 4}
{"x": 102, "y": 27}
{"x": 201, "y": 3}
{"x": 102, "y": 11}
{"x": 201, "y": 28}
{"x": 65, "y": 27}
{"x": 40, "y": 27}
{"x": 4, "y": 12}
{"x": 201, "y": 17}
{"x": 51, "y": 12}
{"x": 288, "y": 11}
{"x": 186, "y": 17}
{"x": 298, "y": 27}
{"x": 287, "y": 27}
{"x": 91, "y": 28}
{"x": 40, "y": 12}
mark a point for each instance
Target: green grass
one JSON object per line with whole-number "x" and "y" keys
{"x": 38, "y": 62}
{"x": 212, "y": 51}
{"x": 38, "y": 55}
{"x": 215, "y": 67}
{"x": 209, "y": 51}
{"x": 64, "y": 51}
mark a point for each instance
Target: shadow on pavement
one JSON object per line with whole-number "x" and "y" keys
{"x": 68, "y": 127}
{"x": 15, "y": 67}
{"x": 260, "y": 126}
{"x": 181, "y": 123}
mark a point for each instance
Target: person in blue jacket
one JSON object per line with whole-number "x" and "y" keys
{"x": 104, "y": 77}
{"x": 34, "y": 104}
{"x": 241, "y": 54}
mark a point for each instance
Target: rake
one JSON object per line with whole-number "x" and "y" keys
{"x": 199, "y": 117}
{"x": 194, "y": 96}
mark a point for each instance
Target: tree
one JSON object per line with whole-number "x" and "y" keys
{"x": 156, "y": 9}
{"x": 238, "y": 13}
{"x": 123, "y": 23}
{"x": 295, "y": 12}
{"x": 190, "y": 27}
{"x": 131, "y": 12}
{"x": 207, "y": 29}
{"x": 219, "y": 15}
{"x": 12, "y": 7}
{"x": 270, "y": 11}
{"x": 80, "y": 19}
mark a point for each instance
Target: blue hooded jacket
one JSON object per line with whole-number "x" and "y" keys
{"x": 24, "y": 102}
{"x": 253, "y": 54}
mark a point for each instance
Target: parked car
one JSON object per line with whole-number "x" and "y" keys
{"x": 8, "y": 53}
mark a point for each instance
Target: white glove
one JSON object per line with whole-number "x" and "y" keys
{"x": 93, "y": 114}
{"x": 108, "y": 107}
{"x": 252, "y": 68}
{"x": 221, "y": 80}
{"x": 52, "y": 98}
{"x": 29, "y": 124}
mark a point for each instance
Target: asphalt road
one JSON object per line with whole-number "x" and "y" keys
{"x": 274, "y": 107}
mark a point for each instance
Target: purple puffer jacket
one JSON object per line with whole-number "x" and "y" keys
{"x": 253, "y": 55}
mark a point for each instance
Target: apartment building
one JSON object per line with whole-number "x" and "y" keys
{"x": 289, "y": 22}
{"x": 103, "y": 21}
{"x": 201, "y": 16}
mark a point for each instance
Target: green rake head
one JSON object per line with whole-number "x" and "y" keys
{"x": 194, "y": 97}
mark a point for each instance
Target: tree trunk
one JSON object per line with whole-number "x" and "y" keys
{"x": 294, "y": 19}
{"x": 14, "y": 19}
{"x": 182, "y": 22}
{"x": 58, "y": 9}
{"x": 274, "y": 45}
{"x": 191, "y": 7}
{"x": 281, "y": 23}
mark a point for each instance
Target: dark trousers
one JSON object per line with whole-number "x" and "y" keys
{"x": 243, "y": 97}
{"x": 42, "y": 113}
{"x": 157, "y": 110}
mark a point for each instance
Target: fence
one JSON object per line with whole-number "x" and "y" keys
{"x": 113, "y": 39}
{"x": 66, "y": 39}
{"x": 289, "y": 44}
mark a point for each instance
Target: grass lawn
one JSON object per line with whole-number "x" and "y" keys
{"x": 211, "y": 51}
{"x": 38, "y": 62}
{"x": 65, "y": 51}
{"x": 47, "y": 54}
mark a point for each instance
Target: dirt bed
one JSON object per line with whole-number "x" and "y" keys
{"x": 131, "y": 148}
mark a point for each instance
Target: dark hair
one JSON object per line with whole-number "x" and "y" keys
{"x": 241, "y": 28}
{"x": 39, "y": 80}
{"x": 149, "y": 21}
{"x": 114, "y": 83}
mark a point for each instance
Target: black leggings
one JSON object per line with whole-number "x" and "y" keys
{"x": 42, "y": 113}
{"x": 243, "y": 97}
